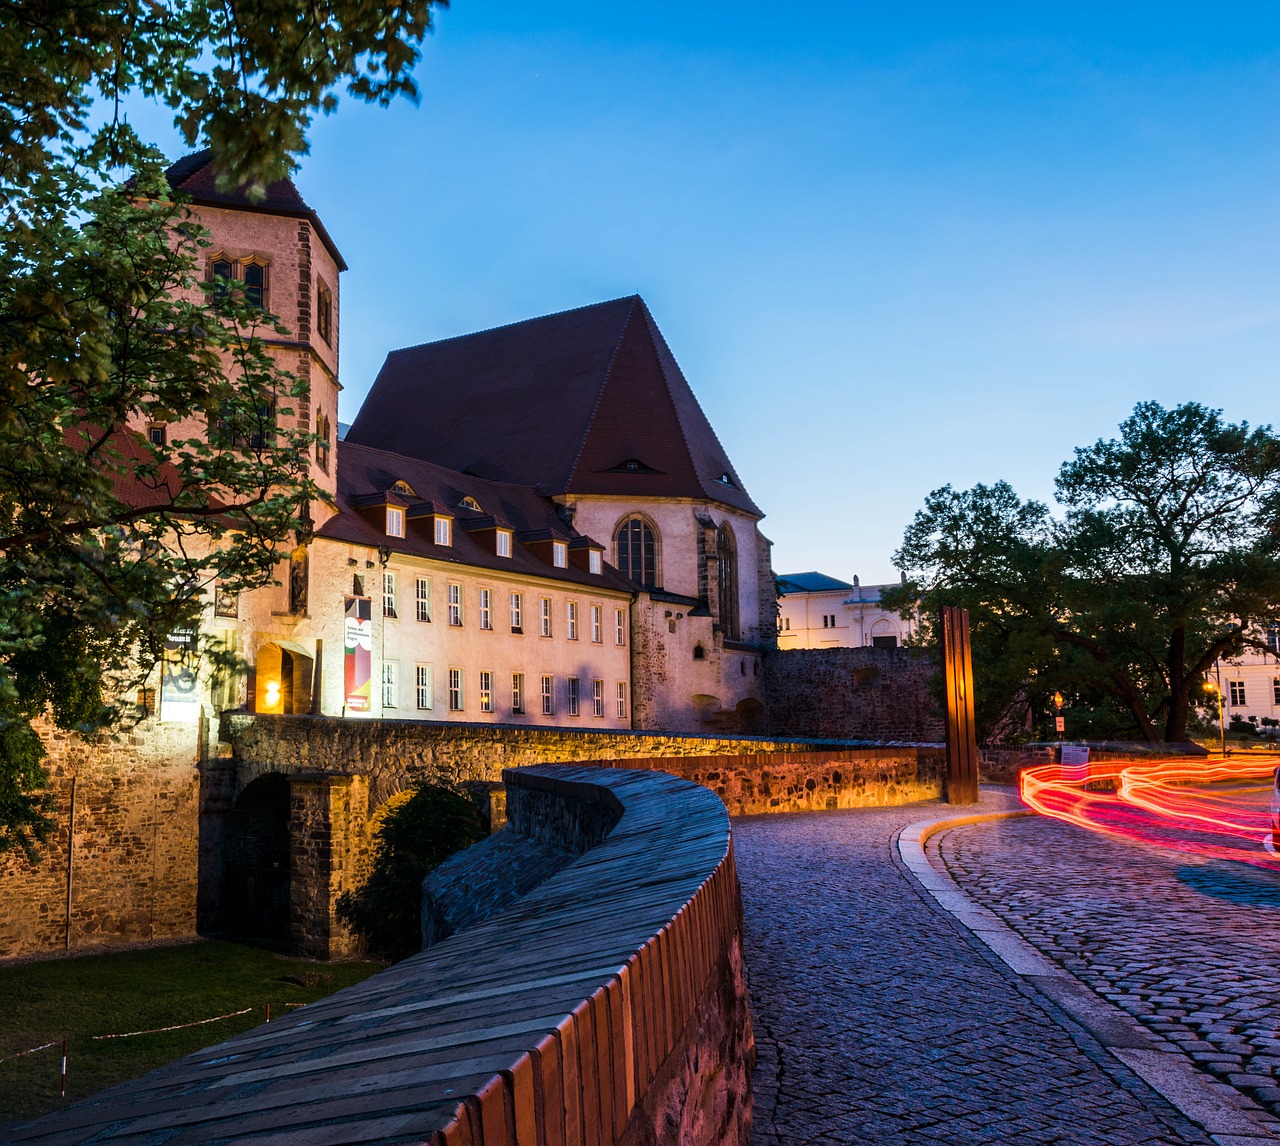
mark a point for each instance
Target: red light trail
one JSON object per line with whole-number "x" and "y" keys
{"x": 1214, "y": 807}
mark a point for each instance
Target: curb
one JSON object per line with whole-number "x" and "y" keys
{"x": 1153, "y": 1059}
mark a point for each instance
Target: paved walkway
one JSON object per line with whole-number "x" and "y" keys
{"x": 881, "y": 1020}
{"x": 1189, "y": 947}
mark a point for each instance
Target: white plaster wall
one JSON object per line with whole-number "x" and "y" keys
{"x": 856, "y": 622}
{"x": 408, "y": 642}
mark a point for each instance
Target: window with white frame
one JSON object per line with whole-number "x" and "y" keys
{"x": 1273, "y": 640}
{"x": 597, "y": 624}
{"x": 486, "y": 690}
{"x": 597, "y": 697}
{"x": 444, "y": 531}
{"x": 422, "y": 598}
{"x": 548, "y": 696}
{"x": 455, "y": 690}
{"x": 395, "y": 521}
{"x": 544, "y": 616}
{"x": 486, "y": 609}
{"x": 455, "y": 604}
{"x": 390, "y": 691}
{"x": 1237, "y": 693}
{"x": 517, "y": 692}
{"x": 595, "y": 562}
{"x": 571, "y": 620}
{"x": 622, "y": 700}
{"x": 425, "y": 687}
{"x": 517, "y": 612}
{"x": 619, "y": 626}
{"x": 574, "y": 684}
{"x": 502, "y": 543}
{"x": 389, "y": 594}
{"x": 560, "y": 554}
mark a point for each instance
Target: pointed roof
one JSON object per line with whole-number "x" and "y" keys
{"x": 196, "y": 176}
{"x": 587, "y": 401}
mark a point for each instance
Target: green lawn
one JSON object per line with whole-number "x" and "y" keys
{"x": 78, "y": 998}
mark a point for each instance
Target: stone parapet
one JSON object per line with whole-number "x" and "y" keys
{"x": 606, "y": 1006}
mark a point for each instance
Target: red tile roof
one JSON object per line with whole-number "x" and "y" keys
{"x": 197, "y": 176}
{"x": 587, "y": 401}
{"x": 364, "y": 472}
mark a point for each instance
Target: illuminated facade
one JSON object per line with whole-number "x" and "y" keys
{"x": 819, "y": 612}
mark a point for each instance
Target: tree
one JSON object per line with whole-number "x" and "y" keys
{"x": 1165, "y": 556}
{"x": 414, "y": 839}
{"x": 108, "y": 542}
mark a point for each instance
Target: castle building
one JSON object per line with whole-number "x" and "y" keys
{"x": 590, "y": 408}
{"x": 819, "y": 612}
{"x": 453, "y": 571}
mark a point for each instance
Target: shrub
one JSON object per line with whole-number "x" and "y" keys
{"x": 415, "y": 838}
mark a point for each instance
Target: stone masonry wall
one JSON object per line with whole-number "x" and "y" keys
{"x": 608, "y": 1006}
{"x": 133, "y": 851}
{"x": 851, "y": 694}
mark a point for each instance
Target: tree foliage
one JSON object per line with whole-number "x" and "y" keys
{"x": 1164, "y": 556}
{"x": 108, "y": 542}
{"x": 429, "y": 827}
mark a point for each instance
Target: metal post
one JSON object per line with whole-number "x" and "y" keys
{"x": 962, "y": 743}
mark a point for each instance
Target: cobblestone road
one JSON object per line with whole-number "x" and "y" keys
{"x": 1190, "y": 947}
{"x": 881, "y": 1021}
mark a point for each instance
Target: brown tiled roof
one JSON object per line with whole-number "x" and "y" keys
{"x": 585, "y": 401}
{"x": 364, "y": 472}
{"x": 197, "y": 176}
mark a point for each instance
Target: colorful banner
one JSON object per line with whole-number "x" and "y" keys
{"x": 357, "y": 646}
{"x": 179, "y": 697}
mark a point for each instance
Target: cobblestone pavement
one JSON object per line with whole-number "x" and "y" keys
{"x": 879, "y": 1020}
{"x": 1188, "y": 946}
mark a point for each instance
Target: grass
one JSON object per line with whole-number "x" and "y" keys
{"x": 77, "y": 999}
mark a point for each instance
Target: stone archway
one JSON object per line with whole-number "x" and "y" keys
{"x": 283, "y": 675}
{"x": 256, "y": 867}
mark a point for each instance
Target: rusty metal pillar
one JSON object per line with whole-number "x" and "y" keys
{"x": 962, "y": 742}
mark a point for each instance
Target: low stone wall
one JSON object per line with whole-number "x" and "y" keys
{"x": 858, "y": 776}
{"x": 851, "y": 694}
{"x": 395, "y": 754}
{"x": 606, "y": 1006}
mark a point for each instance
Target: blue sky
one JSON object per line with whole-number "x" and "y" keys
{"x": 892, "y": 246}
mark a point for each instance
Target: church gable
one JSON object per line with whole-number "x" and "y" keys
{"x": 589, "y": 401}
{"x": 648, "y": 436}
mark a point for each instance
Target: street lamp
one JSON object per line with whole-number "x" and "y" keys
{"x": 1216, "y": 690}
{"x": 1059, "y": 723}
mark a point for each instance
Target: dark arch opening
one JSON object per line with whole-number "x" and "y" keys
{"x": 255, "y": 900}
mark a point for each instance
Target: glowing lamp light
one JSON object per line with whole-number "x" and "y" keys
{"x": 273, "y": 693}
{"x": 1057, "y": 701}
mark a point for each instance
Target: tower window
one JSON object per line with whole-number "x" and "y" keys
{"x": 324, "y": 313}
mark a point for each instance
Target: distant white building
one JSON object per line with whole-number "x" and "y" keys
{"x": 1251, "y": 684}
{"x": 818, "y": 612}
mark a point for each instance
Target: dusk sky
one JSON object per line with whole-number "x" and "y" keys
{"x": 892, "y": 246}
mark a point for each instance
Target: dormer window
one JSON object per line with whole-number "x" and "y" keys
{"x": 595, "y": 562}
{"x": 725, "y": 479}
{"x": 395, "y": 521}
{"x": 444, "y": 531}
{"x": 560, "y": 554}
{"x": 405, "y": 488}
{"x": 471, "y": 503}
{"x": 502, "y": 543}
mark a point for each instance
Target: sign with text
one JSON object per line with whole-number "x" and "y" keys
{"x": 357, "y": 647}
{"x": 1075, "y": 754}
{"x": 1060, "y": 723}
{"x": 179, "y": 697}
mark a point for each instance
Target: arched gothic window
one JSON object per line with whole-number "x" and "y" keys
{"x": 727, "y": 552}
{"x": 635, "y": 551}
